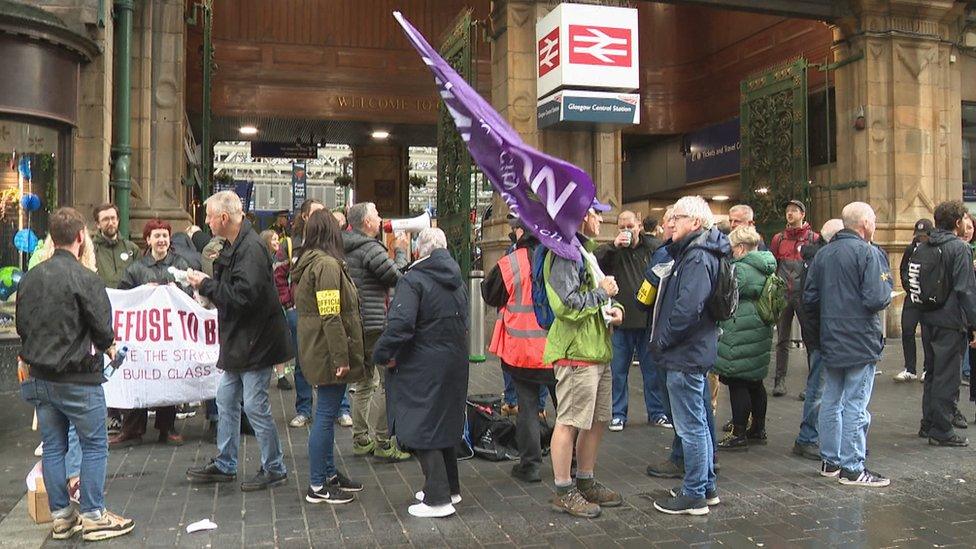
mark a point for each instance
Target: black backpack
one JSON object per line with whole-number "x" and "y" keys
{"x": 724, "y": 299}
{"x": 928, "y": 285}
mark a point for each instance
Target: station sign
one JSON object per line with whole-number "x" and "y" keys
{"x": 272, "y": 149}
{"x": 587, "y": 47}
{"x": 571, "y": 109}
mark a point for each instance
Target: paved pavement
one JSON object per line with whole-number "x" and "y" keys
{"x": 769, "y": 498}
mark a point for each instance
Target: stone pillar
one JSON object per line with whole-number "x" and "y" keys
{"x": 158, "y": 95}
{"x": 907, "y": 85}
{"x": 92, "y": 140}
{"x": 380, "y": 173}
{"x": 513, "y": 94}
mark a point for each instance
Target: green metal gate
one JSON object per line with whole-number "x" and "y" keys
{"x": 774, "y": 165}
{"x": 453, "y": 161}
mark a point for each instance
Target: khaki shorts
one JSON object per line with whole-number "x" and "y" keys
{"x": 584, "y": 395}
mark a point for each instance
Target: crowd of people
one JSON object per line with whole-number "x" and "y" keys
{"x": 694, "y": 305}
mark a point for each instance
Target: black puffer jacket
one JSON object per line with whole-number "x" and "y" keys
{"x": 370, "y": 267}
{"x": 62, "y": 311}
{"x": 252, "y": 326}
{"x": 149, "y": 271}
{"x": 627, "y": 265}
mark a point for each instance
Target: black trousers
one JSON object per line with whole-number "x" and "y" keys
{"x": 910, "y": 319}
{"x": 134, "y": 422}
{"x": 747, "y": 397}
{"x": 527, "y": 432}
{"x": 943, "y": 350}
{"x": 440, "y": 474}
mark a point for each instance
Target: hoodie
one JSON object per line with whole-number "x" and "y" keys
{"x": 370, "y": 267}
{"x": 685, "y": 336}
{"x": 427, "y": 337}
{"x": 959, "y": 311}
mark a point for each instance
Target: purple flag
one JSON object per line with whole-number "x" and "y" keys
{"x": 550, "y": 195}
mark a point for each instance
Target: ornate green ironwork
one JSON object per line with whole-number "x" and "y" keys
{"x": 453, "y": 161}
{"x": 774, "y": 160}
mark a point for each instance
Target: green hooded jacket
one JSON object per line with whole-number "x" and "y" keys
{"x": 744, "y": 347}
{"x": 112, "y": 257}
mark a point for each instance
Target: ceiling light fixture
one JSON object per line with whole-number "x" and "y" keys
{"x": 248, "y": 130}
{"x": 380, "y": 134}
{"x": 720, "y": 198}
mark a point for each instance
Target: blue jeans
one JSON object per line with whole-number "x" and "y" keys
{"x": 252, "y": 386}
{"x": 303, "y": 391}
{"x": 965, "y": 362}
{"x": 511, "y": 397}
{"x": 626, "y": 342}
{"x": 677, "y": 452}
{"x": 60, "y": 405}
{"x": 690, "y": 413}
{"x": 321, "y": 439}
{"x": 72, "y": 460}
{"x": 811, "y": 400}
{"x": 844, "y": 416}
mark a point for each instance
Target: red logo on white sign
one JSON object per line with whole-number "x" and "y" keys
{"x": 549, "y": 52}
{"x": 604, "y": 46}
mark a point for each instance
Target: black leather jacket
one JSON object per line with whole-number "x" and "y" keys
{"x": 62, "y": 311}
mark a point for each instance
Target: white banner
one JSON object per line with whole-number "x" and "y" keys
{"x": 173, "y": 348}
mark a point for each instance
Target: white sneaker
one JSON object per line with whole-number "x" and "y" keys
{"x": 39, "y": 451}
{"x": 921, "y": 378}
{"x": 423, "y": 510}
{"x": 616, "y": 424}
{"x": 345, "y": 420}
{"x": 455, "y": 498}
{"x": 299, "y": 421}
{"x": 904, "y": 376}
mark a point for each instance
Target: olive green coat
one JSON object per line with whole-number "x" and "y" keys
{"x": 744, "y": 347}
{"x": 112, "y": 257}
{"x": 330, "y": 329}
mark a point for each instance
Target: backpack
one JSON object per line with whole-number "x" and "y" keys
{"x": 492, "y": 435}
{"x": 928, "y": 287}
{"x": 772, "y": 300}
{"x": 724, "y": 299}
{"x": 540, "y": 299}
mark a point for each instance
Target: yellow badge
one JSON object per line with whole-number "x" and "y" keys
{"x": 646, "y": 293}
{"x": 329, "y": 302}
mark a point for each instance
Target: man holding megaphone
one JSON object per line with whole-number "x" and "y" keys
{"x": 375, "y": 274}
{"x": 409, "y": 225}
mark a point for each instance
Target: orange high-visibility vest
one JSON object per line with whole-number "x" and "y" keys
{"x": 518, "y": 339}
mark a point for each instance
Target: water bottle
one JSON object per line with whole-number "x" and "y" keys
{"x": 116, "y": 362}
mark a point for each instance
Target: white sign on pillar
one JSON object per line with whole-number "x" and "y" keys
{"x": 586, "y": 46}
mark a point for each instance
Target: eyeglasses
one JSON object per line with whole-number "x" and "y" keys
{"x": 676, "y": 217}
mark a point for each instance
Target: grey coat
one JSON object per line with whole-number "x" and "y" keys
{"x": 370, "y": 267}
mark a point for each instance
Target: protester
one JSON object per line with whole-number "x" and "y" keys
{"x": 579, "y": 348}
{"x": 152, "y": 269}
{"x": 945, "y": 323}
{"x": 969, "y": 230}
{"x": 651, "y": 232}
{"x": 253, "y": 338}
{"x": 742, "y": 214}
{"x": 625, "y": 259}
{"x": 183, "y": 246}
{"x": 112, "y": 255}
{"x": 519, "y": 343}
{"x": 745, "y": 343}
{"x": 786, "y": 246}
{"x": 375, "y": 274}
{"x": 911, "y": 316}
{"x": 272, "y": 242}
{"x": 425, "y": 348}
{"x": 280, "y": 225}
{"x": 849, "y": 283}
{"x": 340, "y": 216}
{"x": 330, "y": 342}
{"x": 684, "y": 341}
{"x": 64, "y": 377}
{"x": 807, "y": 442}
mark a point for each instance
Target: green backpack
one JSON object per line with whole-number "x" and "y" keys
{"x": 772, "y": 300}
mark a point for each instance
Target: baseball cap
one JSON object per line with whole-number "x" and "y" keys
{"x": 599, "y": 206}
{"x": 798, "y": 204}
{"x": 923, "y": 226}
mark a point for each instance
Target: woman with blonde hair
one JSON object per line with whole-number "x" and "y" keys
{"x": 745, "y": 343}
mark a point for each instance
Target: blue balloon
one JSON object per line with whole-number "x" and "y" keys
{"x": 30, "y": 202}
{"x": 25, "y": 240}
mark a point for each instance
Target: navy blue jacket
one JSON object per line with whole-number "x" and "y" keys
{"x": 685, "y": 336}
{"x": 849, "y": 282}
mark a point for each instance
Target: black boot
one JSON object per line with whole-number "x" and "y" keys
{"x": 756, "y": 436}
{"x": 736, "y": 440}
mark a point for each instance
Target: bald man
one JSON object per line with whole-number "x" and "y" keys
{"x": 625, "y": 259}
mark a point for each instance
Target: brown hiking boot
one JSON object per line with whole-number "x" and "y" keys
{"x": 575, "y": 504}
{"x": 108, "y": 526}
{"x": 597, "y": 493}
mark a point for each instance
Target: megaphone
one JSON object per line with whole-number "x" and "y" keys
{"x": 409, "y": 225}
